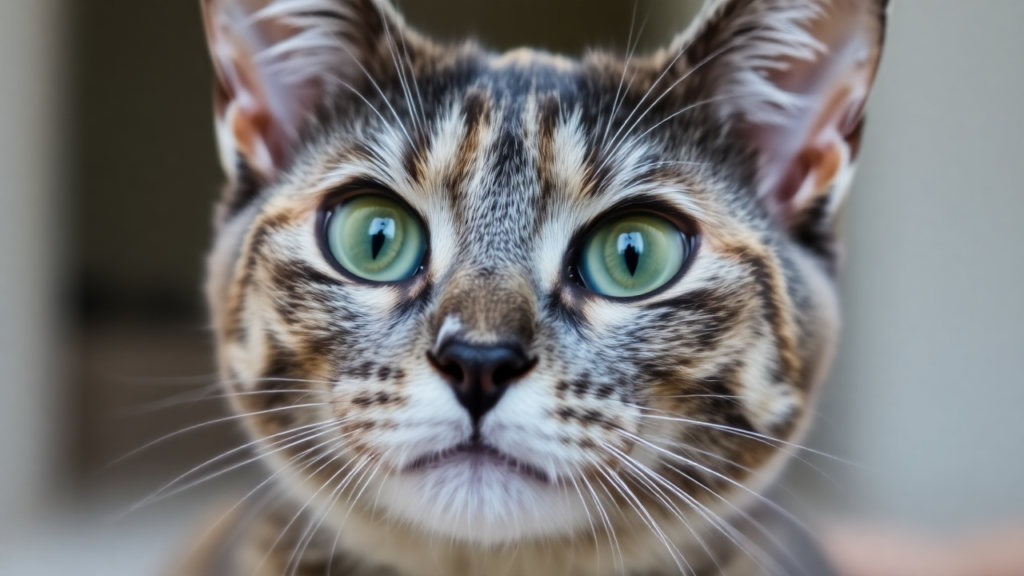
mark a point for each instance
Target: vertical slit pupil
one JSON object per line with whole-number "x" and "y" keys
{"x": 632, "y": 259}
{"x": 377, "y": 242}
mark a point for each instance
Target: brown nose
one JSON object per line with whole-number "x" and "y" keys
{"x": 479, "y": 375}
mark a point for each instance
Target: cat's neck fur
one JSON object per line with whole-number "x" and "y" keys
{"x": 367, "y": 545}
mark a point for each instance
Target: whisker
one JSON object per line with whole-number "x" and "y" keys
{"x": 412, "y": 74}
{"x": 671, "y": 87}
{"x": 163, "y": 492}
{"x": 220, "y": 420}
{"x": 206, "y": 394}
{"x": 363, "y": 460}
{"x": 687, "y": 396}
{"x": 680, "y": 112}
{"x": 590, "y": 520}
{"x": 302, "y": 509}
{"x": 647, "y": 93}
{"x": 662, "y": 497}
{"x": 291, "y": 433}
{"x": 746, "y": 516}
{"x": 606, "y": 517}
{"x": 187, "y": 397}
{"x": 729, "y": 531}
{"x": 625, "y": 68}
{"x": 400, "y": 68}
{"x": 645, "y": 516}
{"x": 310, "y": 532}
{"x": 352, "y": 503}
{"x": 741, "y": 432}
{"x": 160, "y": 380}
{"x": 281, "y": 487}
{"x": 773, "y": 505}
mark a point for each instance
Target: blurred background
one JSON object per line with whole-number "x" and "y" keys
{"x": 107, "y": 178}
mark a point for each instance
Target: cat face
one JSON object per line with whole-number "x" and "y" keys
{"x": 494, "y": 296}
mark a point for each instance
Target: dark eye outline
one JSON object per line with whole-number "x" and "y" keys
{"x": 573, "y": 279}
{"x": 358, "y": 190}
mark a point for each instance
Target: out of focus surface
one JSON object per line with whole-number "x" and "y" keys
{"x": 31, "y": 163}
{"x": 107, "y": 177}
{"x": 929, "y": 387}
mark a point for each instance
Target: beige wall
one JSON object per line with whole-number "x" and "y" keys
{"x": 928, "y": 394}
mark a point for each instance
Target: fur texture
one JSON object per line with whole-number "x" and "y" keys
{"x": 648, "y": 427}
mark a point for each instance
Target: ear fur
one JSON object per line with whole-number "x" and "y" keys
{"x": 276, "y": 60}
{"x": 792, "y": 76}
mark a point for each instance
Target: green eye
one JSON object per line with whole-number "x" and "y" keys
{"x": 633, "y": 255}
{"x": 376, "y": 238}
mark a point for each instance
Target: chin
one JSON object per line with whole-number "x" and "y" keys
{"x": 482, "y": 498}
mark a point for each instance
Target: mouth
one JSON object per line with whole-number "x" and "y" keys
{"x": 476, "y": 453}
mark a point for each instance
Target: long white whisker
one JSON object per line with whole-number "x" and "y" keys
{"x": 163, "y": 492}
{"x": 400, "y": 68}
{"x": 590, "y": 519}
{"x": 302, "y": 509}
{"x": 663, "y": 498}
{"x": 187, "y": 397}
{"x": 210, "y": 423}
{"x": 741, "y": 432}
{"x": 415, "y": 83}
{"x": 281, "y": 488}
{"x": 746, "y": 516}
{"x": 311, "y": 530}
{"x": 607, "y": 517}
{"x": 363, "y": 460}
{"x": 645, "y": 516}
{"x": 291, "y": 433}
{"x": 206, "y": 393}
{"x": 734, "y": 535}
{"x": 675, "y": 114}
{"x": 671, "y": 87}
{"x": 630, "y": 49}
{"x": 717, "y": 474}
{"x": 647, "y": 93}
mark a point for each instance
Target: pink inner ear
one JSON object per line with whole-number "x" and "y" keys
{"x": 264, "y": 90}
{"x": 244, "y": 105}
{"x": 802, "y": 155}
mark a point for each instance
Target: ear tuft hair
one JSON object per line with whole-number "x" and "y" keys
{"x": 327, "y": 45}
{"x": 743, "y": 43}
{"x": 790, "y": 77}
{"x": 277, "y": 60}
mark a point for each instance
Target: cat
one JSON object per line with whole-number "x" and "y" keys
{"x": 524, "y": 314}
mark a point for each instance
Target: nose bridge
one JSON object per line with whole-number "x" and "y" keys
{"x": 490, "y": 307}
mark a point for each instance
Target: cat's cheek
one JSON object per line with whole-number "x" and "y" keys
{"x": 400, "y": 420}
{"x": 561, "y": 434}
{"x": 769, "y": 405}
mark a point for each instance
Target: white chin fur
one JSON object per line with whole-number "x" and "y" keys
{"x": 482, "y": 502}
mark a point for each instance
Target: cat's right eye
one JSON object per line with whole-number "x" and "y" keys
{"x": 375, "y": 238}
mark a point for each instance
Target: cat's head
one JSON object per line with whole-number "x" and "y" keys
{"x": 477, "y": 293}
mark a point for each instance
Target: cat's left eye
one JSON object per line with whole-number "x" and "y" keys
{"x": 633, "y": 255}
{"x": 375, "y": 238}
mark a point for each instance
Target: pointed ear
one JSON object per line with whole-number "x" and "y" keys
{"x": 792, "y": 76}
{"x": 276, "y": 61}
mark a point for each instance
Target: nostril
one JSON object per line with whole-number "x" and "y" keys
{"x": 510, "y": 370}
{"x": 448, "y": 367}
